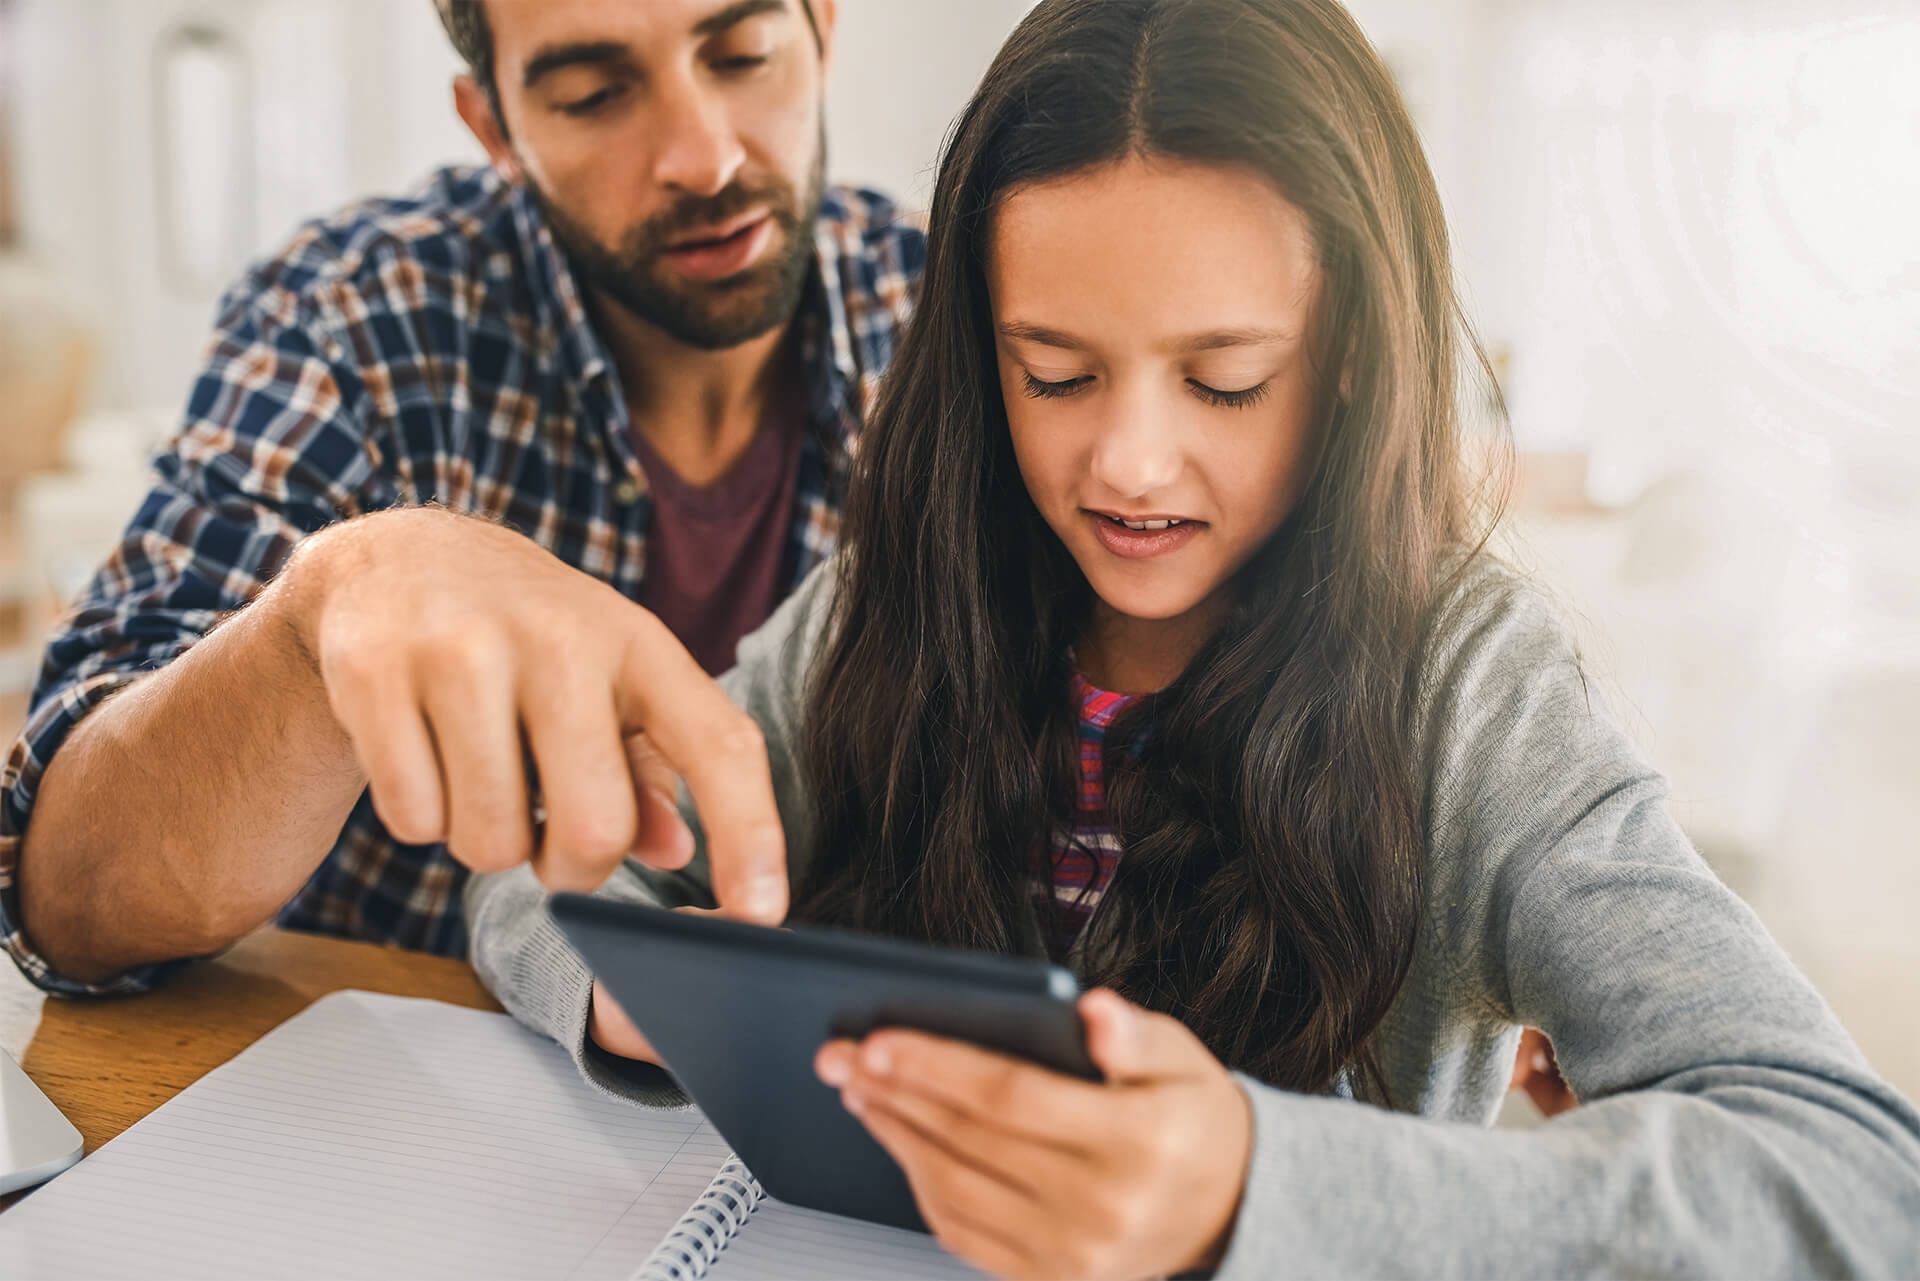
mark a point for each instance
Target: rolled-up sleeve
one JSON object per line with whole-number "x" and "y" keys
{"x": 271, "y": 448}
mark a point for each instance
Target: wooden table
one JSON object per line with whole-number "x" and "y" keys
{"x": 107, "y": 1063}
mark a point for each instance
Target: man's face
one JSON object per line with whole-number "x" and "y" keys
{"x": 676, "y": 148}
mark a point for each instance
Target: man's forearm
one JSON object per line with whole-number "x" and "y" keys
{"x": 182, "y": 813}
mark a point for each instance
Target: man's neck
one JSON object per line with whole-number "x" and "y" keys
{"x": 698, "y": 410}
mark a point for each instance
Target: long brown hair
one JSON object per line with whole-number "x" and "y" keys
{"x": 1269, "y": 800}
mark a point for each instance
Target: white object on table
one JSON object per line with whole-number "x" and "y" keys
{"x": 36, "y": 1141}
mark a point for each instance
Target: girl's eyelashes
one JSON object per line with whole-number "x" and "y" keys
{"x": 1044, "y": 390}
{"x": 1242, "y": 399}
{"x": 1039, "y": 389}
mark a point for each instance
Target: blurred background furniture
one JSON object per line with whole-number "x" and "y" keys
{"x": 45, "y": 358}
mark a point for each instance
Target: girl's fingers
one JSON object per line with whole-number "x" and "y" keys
{"x": 1131, "y": 1045}
{"x": 972, "y": 1212}
{"x": 1000, "y": 1093}
{"x": 1031, "y": 1168}
{"x": 614, "y": 1032}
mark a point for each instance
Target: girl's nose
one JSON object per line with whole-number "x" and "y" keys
{"x": 1138, "y": 451}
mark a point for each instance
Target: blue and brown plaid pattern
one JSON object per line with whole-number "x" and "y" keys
{"x": 433, "y": 349}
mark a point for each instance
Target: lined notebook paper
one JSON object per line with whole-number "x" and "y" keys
{"x": 735, "y": 1231}
{"x": 785, "y": 1241}
{"x": 383, "y": 1136}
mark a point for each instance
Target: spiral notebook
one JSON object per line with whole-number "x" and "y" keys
{"x": 384, "y": 1136}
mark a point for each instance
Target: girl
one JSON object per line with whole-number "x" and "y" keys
{"x": 1162, "y": 642}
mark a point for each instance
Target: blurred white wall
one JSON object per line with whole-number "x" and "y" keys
{"x": 337, "y": 97}
{"x": 902, "y": 71}
{"x": 1709, "y": 242}
{"x": 1690, "y": 232}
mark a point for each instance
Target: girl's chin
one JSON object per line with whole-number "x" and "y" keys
{"x": 1138, "y": 596}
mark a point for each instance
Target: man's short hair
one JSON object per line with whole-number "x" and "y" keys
{"x": 466, "y": 24}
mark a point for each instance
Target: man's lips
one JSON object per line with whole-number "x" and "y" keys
{"x": 713, "y": 236}
{"x": 708, "y": 259}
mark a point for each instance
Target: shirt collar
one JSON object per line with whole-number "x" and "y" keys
{"x": 557, "y": 301}
{"x": 826, "y": 337}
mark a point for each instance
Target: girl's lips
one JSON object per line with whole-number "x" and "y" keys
{"x": 727, "y": 256}
{"x": 1134, "y": 544}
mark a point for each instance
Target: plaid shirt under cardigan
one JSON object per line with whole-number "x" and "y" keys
{"x": 432, "y": 349}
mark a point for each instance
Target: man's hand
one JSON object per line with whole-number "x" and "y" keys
{"x": 1027, "y": 1173}
{"x": 454, "y": 652}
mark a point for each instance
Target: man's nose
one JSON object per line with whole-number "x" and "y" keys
{"x": 700, "y": 153}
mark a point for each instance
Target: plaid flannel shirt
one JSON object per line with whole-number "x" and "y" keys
{"x": 433, "y": 349}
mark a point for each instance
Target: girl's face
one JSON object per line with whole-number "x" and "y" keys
{"x": 1151, "y": 321}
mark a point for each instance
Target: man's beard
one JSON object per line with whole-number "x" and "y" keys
{"x": 711, "y": 315}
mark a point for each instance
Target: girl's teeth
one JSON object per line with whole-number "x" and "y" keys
{"x": 1142, "y": 526}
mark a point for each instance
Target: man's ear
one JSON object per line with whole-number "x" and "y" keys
{"x": 476, "y": 109}
{"x": 826, "y": 16}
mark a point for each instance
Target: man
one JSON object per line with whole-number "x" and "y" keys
{"x": 470, "y": 462}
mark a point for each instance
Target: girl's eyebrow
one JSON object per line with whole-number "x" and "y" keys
{"x": 1220, "y": 338}
{"x": 1213, "y": 340}
{"x": 1040, "y": 335}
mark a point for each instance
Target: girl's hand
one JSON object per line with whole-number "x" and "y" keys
{"x": 1027, "y": 1173}
{"x": 614, "y": 1032}
{"x": 608, "y": 1025}
{"x": 1536, "y": 1072}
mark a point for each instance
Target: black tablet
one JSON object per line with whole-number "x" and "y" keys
{"x": 739, "y": 1011}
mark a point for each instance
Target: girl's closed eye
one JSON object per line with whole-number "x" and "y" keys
{"x": 1041, "y": 389}
{"x": 1220, "y": 397}
{"x": 1244, "y": 398}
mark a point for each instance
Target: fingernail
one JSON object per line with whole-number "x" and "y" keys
{"x": 835, "y": 1070}
{"x": 877, "y": 1060}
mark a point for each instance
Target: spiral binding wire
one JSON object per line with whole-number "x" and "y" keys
{"x": 716, "y": 1218}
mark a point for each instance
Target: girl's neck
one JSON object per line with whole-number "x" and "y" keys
{"x": 1144, "y": 655}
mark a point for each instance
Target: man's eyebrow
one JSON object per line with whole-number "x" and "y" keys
{"x": 735, "y": 14}
{"x": 592, "y": 53}
{"x": 589, "y": 53}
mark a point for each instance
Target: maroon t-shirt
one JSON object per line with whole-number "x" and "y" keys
{"x": 715, "y": 552}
